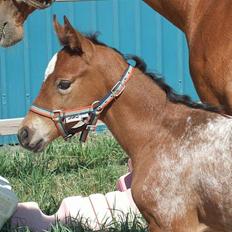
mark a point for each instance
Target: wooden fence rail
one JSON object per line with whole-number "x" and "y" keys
{"x": 10, "y": 126}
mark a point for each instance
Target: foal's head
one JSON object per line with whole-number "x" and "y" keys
{"x": 13, "y": 13}
{"x": 78, "y": 75}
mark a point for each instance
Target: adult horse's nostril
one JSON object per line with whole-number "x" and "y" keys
{"x": 4, "y": 24}
{"x": 23, "y": 136}
{"x": 2, "y": 29}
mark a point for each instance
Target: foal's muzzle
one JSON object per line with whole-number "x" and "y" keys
{"x": 25, "y": 135}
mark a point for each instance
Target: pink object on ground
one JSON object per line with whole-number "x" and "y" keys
{"x": 124, "y": 182}
{"x": 97, "y": 209}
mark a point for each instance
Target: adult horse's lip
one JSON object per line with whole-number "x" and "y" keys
{"x": 2, "y": 31}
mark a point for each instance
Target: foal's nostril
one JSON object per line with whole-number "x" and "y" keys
{"x": 23, "y": 136}
{"x": 24, "y": 133}
{"x": 3, "y": 25}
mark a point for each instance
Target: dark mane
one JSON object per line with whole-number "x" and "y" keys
{"x": 94, "y": 39}
{"x": 171, "y": 94}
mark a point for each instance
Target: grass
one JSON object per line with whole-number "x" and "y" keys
{"x": 65, "y": 169}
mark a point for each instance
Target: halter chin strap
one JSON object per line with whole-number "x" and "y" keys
{"x": 85, "y": 118}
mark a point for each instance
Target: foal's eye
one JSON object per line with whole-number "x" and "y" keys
{"x": 64, "y": 84}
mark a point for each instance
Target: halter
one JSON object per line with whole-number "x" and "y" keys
{"x": 39, "y": 5}
{"x": 36, "y": 4}
{"x": 85, "y": 118}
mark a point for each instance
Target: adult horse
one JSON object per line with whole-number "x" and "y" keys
{"x": 209, "y": 32}
{"x": 207, "y": 25}
{"x": 13, "y": 13}
{"x": 181, "y": 151}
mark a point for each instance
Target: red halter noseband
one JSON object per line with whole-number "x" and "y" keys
{"x": 85, "y": 118}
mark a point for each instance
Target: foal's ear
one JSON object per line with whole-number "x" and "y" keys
{"x": 68, "y": 36}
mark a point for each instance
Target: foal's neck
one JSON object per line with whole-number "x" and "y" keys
{"x": 136, "y": 117}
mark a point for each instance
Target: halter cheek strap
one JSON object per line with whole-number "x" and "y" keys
{"x": 85, "y": 118}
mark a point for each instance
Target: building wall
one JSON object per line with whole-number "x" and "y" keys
{"x": 128, "y": 25}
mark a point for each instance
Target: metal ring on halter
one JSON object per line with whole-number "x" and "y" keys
{"x": 57, "y": 114}
{"x": 95, "y": 105}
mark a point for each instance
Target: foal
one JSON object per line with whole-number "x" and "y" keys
{"x": 180, "y": 150}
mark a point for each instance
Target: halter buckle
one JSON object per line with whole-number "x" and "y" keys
{"x": 117, "y": 89}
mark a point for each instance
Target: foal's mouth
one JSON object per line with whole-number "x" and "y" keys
{"x": 2, "y": 31}
{"x": 37, "y": 147}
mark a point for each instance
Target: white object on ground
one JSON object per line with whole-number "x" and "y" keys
{"x": 8, "y": 201}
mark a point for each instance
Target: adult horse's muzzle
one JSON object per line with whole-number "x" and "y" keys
{"x": 9, "y": 33}
{"x": 12, "y": 17}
